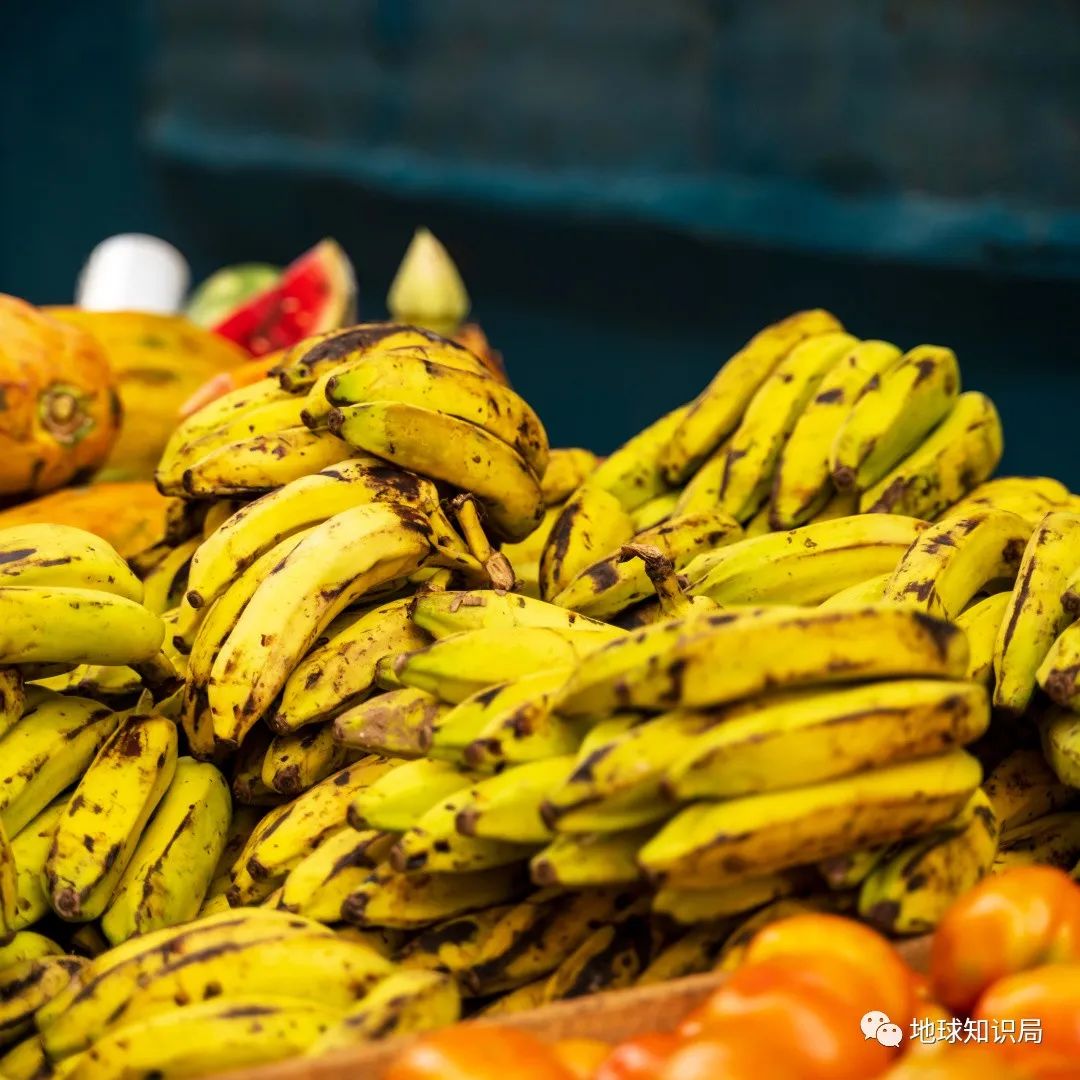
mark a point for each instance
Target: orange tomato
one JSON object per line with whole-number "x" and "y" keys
{"x": 895, "y": 985}
{"x": 806, "y": 1010}
{"x": 722, "y": 1059}
{"x": 963, "y": 1062}
{"x": 640, "y": 1058}
{"x": 1048, "y": 997}
{"x": 474, "y": 1052}
{"x": 581, "y": 1056}
{"x": 1006, "y": 924}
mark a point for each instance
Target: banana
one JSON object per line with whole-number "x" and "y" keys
{"x": 1061, "y": 745}
{"x": 160, "y": 584}
{"x": 615, "y": 582}
{"x": 893, "y": 416}
{"x": 26, "y": 945}
{"x": 209, "y": 1037}
{"x": 760, "y": 834}
{"x": 1023, "y": 787}
{"x": 655, "y": 511}
{"x": 320, "y": 883}
{"x": 1052, "y": 840}
{"x": 587, "y": 860}
{"x": 398, "y": 723}
{"x": 671, "y": 598}
{"x": 477, "y": 399}
{"x": 693, "y": 953}
{"x": 521, "y": 999}
{"x": 688, "y": 906}
{"x": 507, "y": 806}
{"x": 404, "y": 1003}
{"x": 962, "y": 450}
{"x": 1060, "y": 670}
{"x": 530, "y": 733}
{"x": 981, "y": 622}
{"x": 806, "y": 565}
{"x": 525, "y": 557}
{"x": 949, "y": 562}
{"x": 26, "y": 986}
{"x": 29, "y": 850}
{"x": 12, "y": 699}
{"x": 332, "y": 567}
{"x": 754, "y": 448}
{"x": 63, "y": 556}
{"x": 454, "y": 945}
{"x": 290, "y": 832}
{"x": 9, "y": 885}
{"x": 47, "y": 751}
{"x": 26, "y": 1061}
{"x": 1035, "y": 616}
{"x": 911, "y": 888}
{"x": 686, "y": 664}
{"x": 296, "y": 762}
{"x": 632, "y": 473}
{"x": 73, "y": 1020}
{"x": 1029, "y": 496}
{"x": 453, "y": 611}
{"x": 167, "y": 877}
{"x": 840, "y": 504}
{"x": 591, "y": 524}
{"x": 702, "y": 490}
{"x": 66, "y": 625}
{"x": 803, "y": 482}
{"x": 399, "y": 797}
{"x": 759, "y": 524}
{"x": 734, "y": 948}
{"x": 860, "y": 594}
{"x": 814, "y": 736}
{"x": 567, "y": 469}
{"x": 463, "y": 664}
{"x": 247, "y": 785}
{"x": 717, "y": 410}
{"x": 340, "y": 671}
{"x": 96, "y": 836}
{"x": 410, "y": 901}
{"x": 241, "y": 826}
{"x": 851, "y": 869}
{"x": 420, "y": 439}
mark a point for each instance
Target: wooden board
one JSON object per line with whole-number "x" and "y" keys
{"x": 614, "y": 1016}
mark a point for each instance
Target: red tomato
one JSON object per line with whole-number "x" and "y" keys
{"x": 1006, "y": 924}
{"x": 581, "y": 1056}
{"x": 640, "y": 1058}
{"x": 1048, "y": 997}
{"x": 728, "y": 1059}
{"x": 474, "y": 1052}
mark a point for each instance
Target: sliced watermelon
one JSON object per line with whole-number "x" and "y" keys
{"x": 226, "y": 289}
{"x": 315, "y": 293}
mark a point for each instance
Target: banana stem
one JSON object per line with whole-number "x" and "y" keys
{"x": 674, "y": 603}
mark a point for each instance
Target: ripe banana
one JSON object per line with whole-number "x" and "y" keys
{"x": 97, "y": 833}
{"x": 615, "y": 582}
{"x": 453, "y": 946}
{"x": 860, "y": 594}
{"x": 1059, "y": 672}
{"x": 688, "y": 905}
{"x": 633, "y": 473}
{"x": 803, "y": 482}
{"x": 420, "y": 439}
{"x": 1023, "y": 787}
{"x": 843, "y": 872}
{"x": 567, "y": 469}
{"x": 521, "y": 999}
{"x": 592, "y": 524}
{"x": 531, "y": 732}
{"x": 398, "y": 723}
{"x": 981, "y": 622}
{"x": 296, "y": 762}
{"x": 332, "y": 567}
{"x": 12, "y": 699}
{"x": 26, "y": 986}
{"x": 9, "y": 885}
{"x": 1052, "y": 840}
{"x": 892, "y": 417}
{"x": 26, "y": 1060}
{"x": 340, "y": 671}
{"x": 692, "y": 953}
{"x": 717, "y": 410}
{"x": 63, "y": 556}
{"x": 588, "y": 860}
{"x": 659, "y": 667}
{"x": 655, "y": 511}
{"x": 911, "y": 889}
{"x": 161, "y": 585}
{"x": 754, "y": 449}
{"x": 734, "y": 949}
{"x": 66, "y": 625}
{"x": 811, "y": 736}
{"x": 29, "y": 850}
{"x": 507, "y": 806}
{"x": 806, "y": 565}
{"x": 723, "y": 842}
{"x": 1029, "y": 496}
{"x": 702, "y": 490}
{"x": 165, "y": 881}
{"x": 247, "y": 786}
{"x": 949, "y": 562}
{"x": 26, "y": 945}
{"x": 47, "y": 751}
{"x": 241, "y": 826}
{"x": 399, "y": 797}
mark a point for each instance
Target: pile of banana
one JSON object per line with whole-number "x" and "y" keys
{"x": 412, "y": 717}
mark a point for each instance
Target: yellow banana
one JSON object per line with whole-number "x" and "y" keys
{"x": 962, "y": 450}
{"x": 1035, "y": 616}
{"x": 1028, "y": 496}
{"x": 803, "y": 482}
{"x": 247, "y": 786}
{"x": 632, "y": 473}
{"x": 777, "y": 648}
{"x": 717, "y": 410}
{"x": 30, "y": 849}
{"x": 12, "y": 699}
{"x": 1052, "y": 840}
{"x": 754, "y": 449}
{"x": 398, "y": 723}
{"x": 399, "y": 797}
{"x": 1061, "y": 744}
{"x": 893, "y": 416}
{"x": 843, "y": 872}
{"x": 532, "y": 732}
{"x": 655, "y": 511}
{"x": 97, "y": 833}
{"x": 693, "y": 953}
{"x": 952, "y": 560}
{"x": 9, "y": 885}
{"x": 332, "y": 567}
{"x": 760, "y": 834}
{"x": 734, "y": 948}
{"x": 702, "y": 490}
{"x": 241, "y": 826}
{"x": 296, "y": 762}
{"x": 860, "y": 594}
{"x": 1059, "y": 672}
{"x": 454, "y": 945}
{"x": 1023, "y": 787}
{"x": 26, "y": 1061}
{"x": 520, "y": 999}
{"x": 26, "y": 945}
{"x": 507, "y": 806}
{"x": 587, "y": 860}
{"x": 525, "y": 557}
{"x": 26, "y": 986}
{"x": 687, "y": 905}
{"x": 567, "y": 469}
{"x": 167, "y": 877}
{"x": 981, "y": 622}
{"x": 422, "y": 440}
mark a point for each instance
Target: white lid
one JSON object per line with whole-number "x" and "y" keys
{"x": 133, "y": 272}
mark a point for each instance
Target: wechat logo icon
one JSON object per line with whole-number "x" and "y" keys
{"x": 876, "y": 1025}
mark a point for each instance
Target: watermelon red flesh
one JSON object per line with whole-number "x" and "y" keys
{"x": 317, "y": 292}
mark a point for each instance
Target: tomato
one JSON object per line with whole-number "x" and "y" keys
{"x": 474, "y": 1052}
{"x": 806, "y": 1010}
{"x": 894, "y": 984}
{"x": 1006, "y": 924}
{"x": 716, "y": 1059}
{"x": 640, "y": 1058}
{"x": 952, "y": 1062}
{"x": 1049, "y": 997}
{"x": 581, "y": 1056}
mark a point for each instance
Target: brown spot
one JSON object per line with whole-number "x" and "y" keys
{"x": 828, "y": 397}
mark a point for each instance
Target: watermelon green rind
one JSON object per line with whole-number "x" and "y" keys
{"x": 227, "y": 289}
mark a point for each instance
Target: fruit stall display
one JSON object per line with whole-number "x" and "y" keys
{"x": 404, "y": 716}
